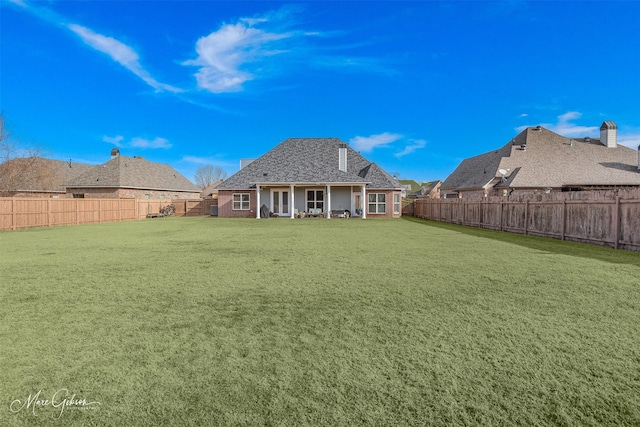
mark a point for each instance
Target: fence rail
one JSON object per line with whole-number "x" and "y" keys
{"x": 17, "y": 212}
{"x": 613, "y": 223}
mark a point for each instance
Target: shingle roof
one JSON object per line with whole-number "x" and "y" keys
{"x": 426, "y": 189}
{"x": 309, "y": 161}
{"x": 549, "y": 161}
{"x": 36, "y": 174}
{"x": 134, "y": 172}
{"x": 476, "y": 172}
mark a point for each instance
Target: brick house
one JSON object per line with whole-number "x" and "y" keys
{"x": 38, "y": 177}
{"x": 132, "y": 177}
{"x": 539, "y": 161}
{"x": 310, "y": 176}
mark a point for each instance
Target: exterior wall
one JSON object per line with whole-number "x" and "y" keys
{"x": 341, "y": 197}
{"x": 130, "y": 193}
{"x": 225, "y": 204}
{"x": 38, "y": 194}
{"x": 389, "y": 204}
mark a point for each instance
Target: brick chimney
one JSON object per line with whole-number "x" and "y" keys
{"x": 609, "y": 134}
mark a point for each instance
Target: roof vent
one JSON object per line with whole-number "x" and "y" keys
{"x": 538, "y": 128}
{"x": 587, "y": 139}
{"x": 523, "y": 147}
{"x": 115, "y": 153}
{"x": 571, "y": 142}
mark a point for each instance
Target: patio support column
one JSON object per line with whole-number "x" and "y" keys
{"x": 365, "y": 204}
{"x": 328, "y": 201}
{"x": 257, "y": 201}
{"x": 292, "y": 207}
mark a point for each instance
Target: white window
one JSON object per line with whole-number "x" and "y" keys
{"x": 241, "y": 201}
{"x": 396, "y": 203}
{"x": 377, "y": 203}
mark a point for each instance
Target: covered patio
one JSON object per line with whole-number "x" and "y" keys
{"x": 303, "y": 200}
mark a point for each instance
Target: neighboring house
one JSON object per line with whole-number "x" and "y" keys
{"x": 310, "y": 176}
{"x": 408, "y": 186}
{"x": 38, "y": 177}
{"x": 538, "y": 160}
{"x": 132, "y": 177}
{"x": 429, "y": 190}
{"x": 211, "y": 192}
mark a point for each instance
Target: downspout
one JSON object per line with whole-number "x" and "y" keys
{"x": 328, "y": 201}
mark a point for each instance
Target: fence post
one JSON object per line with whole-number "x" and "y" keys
{"x": 500, "y": 216}
{"x": 48, "y": 212}
{"x": 480, "y": 215}
{"x": 617, "y": 224}
{"x": 564, "y": 217}
{"x": 526, "y": 216}
{"x": 13, "y": 213}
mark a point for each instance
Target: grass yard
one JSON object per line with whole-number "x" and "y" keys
{"x": 210, "y": 321}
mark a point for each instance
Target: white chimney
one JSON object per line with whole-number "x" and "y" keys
{"x": 245, "y": 162}
{"x": 609, "y": 134}
{"x": 342, "y": 157}
{"x": 115, "y": 153}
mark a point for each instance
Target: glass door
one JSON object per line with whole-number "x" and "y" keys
{"x": 280, "y": 202}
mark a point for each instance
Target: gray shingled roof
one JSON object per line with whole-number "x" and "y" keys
{"x": 309, "y": 161}
{"x": 549, "y": 161}
{"x": 134, "y": 172}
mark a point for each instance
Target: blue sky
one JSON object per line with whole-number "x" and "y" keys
{"x": 416, "y": 86}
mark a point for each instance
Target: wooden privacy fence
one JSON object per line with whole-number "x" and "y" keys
{"x": 613, "y": 223}
{"x": 19, "y": 212}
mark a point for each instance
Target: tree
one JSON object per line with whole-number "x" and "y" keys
{"x": 208, "y": 174}
{"x": 20, "y": 167}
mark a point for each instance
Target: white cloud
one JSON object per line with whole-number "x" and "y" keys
{"x": 631, "y": 140}
{"x": 415, "y": 144}
{"x": 232, "y": 55}
{"x": 150, "y": 143}
{"x": 564, "y": 126}
{"x": 137, "y": 142}
{"x": 367, "y": 143}
{"x": 121, "y": 53}
{"x": 196, "y": 159}
{"x": 115, "y": 140}
{"x": 20, "y": 3}
{"x": 244, "y": 51}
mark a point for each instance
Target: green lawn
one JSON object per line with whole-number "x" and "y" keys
{"x": 208, "y": 321}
